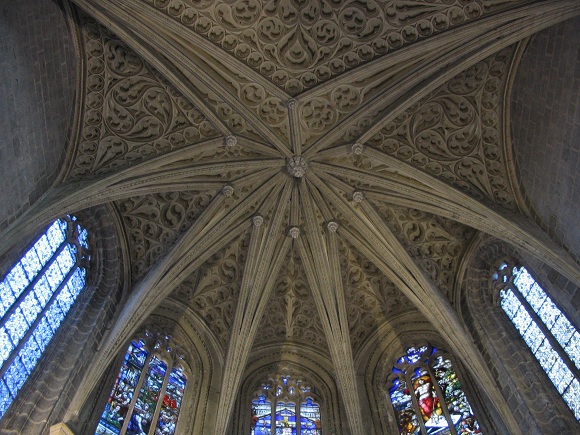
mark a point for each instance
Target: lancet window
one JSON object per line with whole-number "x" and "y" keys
{"x": 148, "y": 391}
{"x": 35, "y": 297}
{"x": 293, "y": 404}
{"x": 551, "y": 337}
{"x": 427, "y": 395}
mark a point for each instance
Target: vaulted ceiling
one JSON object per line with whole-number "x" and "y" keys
{"x": 301, "y": 171}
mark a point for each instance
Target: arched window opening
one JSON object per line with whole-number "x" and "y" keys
{"x": 293, "y": 405}
{"x": 35, "y": 297}
{"x": 427, "y": 395}
{"x": 553, "y": 340}
{"x": 149, "y": 372}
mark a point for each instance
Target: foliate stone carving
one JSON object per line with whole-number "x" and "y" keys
{"x": 455, "y": 134}
{"x": 230, "y": 141}
{"x": 370, "y": 297}
{"x": 257, "y": 220}
{"x": 294, "y": 232}
{"x": 228, "y": 190}
{"x": 433, "y": 241}
{"x": 357, "y": 149}
{"x": 298, "y": 44}
{"x": 154, "y": 222}
{"x": 216, "y": 288}
{"x": 332, "y": 226}
{"x": 291, "y": 313}
{"x": 358, "y": 196}
{"x": 297, "y": 166}
{"x": 131, "y": 112}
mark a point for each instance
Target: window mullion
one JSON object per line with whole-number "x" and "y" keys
{"x": 32, "y": 283}
{"x": 442, "y": 401}
{"x": 547, "y": 333}
{"x": 297, "y": 417}
{"x": 137, "y": 391}
{"x": 273, "y": 403}
{"x": 159, "y": 404}
{"x": 409, "y": 383}
{"x": 38, "y": 319}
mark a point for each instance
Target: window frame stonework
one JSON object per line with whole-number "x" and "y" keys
{"x": 504, "y": 280}
{"x": 167, "y": 350}
{"x": 520, "y": 379}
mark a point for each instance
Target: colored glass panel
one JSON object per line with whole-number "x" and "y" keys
{"x": 559, "y": 326}
{"x": 144, "y": 410}
{"x": 310, "y": 423}
{"x": 171, "y": 403}
{"x": 285, "y": 418}
{"x": 429, "y": 403}
{"x": 436, "y": 406}
{"x": 459, "y": 409}
{"x": 261, "y": 416}
{"x": 404, "y": 409}
{"x": 120, "y": 398}
{"x": 23, "y": 306}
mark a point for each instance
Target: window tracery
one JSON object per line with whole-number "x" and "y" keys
{"x": 148, "y": 391}
{"x": 35, "y": 297}
{"x": 427, "y": 395}
{"x": 551, "y": 337}
{"x": 293, "y": 404}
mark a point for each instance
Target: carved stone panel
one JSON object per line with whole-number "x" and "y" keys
{"x": 154, "y": 222}
{"x": 299, "y": 44}
{"x": 433, "y": 241}
{"x": 131, "y": 112}
{"x": 291, "y": 313}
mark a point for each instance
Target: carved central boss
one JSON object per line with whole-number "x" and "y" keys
{"x": 297, "y": 166}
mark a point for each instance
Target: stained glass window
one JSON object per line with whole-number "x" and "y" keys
{"x": 553, "y": 340}
{"x": 35, "y": 297}
{"x": 160, "y": 393}
{"x": 293, "y": 405}
{"x": 427, "y": 396}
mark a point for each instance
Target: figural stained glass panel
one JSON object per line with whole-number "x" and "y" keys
{"x": 129, "y": 413}
{"x": 293, "y": 405}
{"x": 35, "y": 297}
{"x": 427, "y": 396}
{"x": 553, "y": 340}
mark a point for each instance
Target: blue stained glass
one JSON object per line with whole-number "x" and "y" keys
{"x": 65, "y": 299}
{"x": 54, "y": 276}
{"x": 17, "y": 325}
{"x": 31, "y": 263}
{"x": 15, "y": 376}
{"x": 44, "y": 250}
{"x": 5, "y": 399}
{"x": 42, "y": 291}
{"x": 573, "y": 349}
{"x": 56, "y": 235}
{"x": 54, "y": 315}
{"x": 6, "y": 345}
{"x": 17, "y": 280}
{"x": 66, "y": 259}
{"x": 572, "y": 397}
{"x": 534, "y": 337}
{"x": 559, "y": 326}
{"x": 562, "y": 330}
{"x": 83, "y": 237}
{"x": 310, "y": 418}
{"x": 30, "y": 308}
{"x": 6, "y": 298}
{"x": 30, "y": 354}
{"x": 261, "y": 416}
{"x": 43, "y": 333}
{"x": 509, "y": 303}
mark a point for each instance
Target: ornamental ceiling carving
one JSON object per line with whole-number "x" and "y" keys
{"x": 300, "y": 172}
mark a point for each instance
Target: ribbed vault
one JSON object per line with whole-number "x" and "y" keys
{"x": 299, "y": 172}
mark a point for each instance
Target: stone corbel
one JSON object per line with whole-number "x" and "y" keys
{"x": 61, "y": 429}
